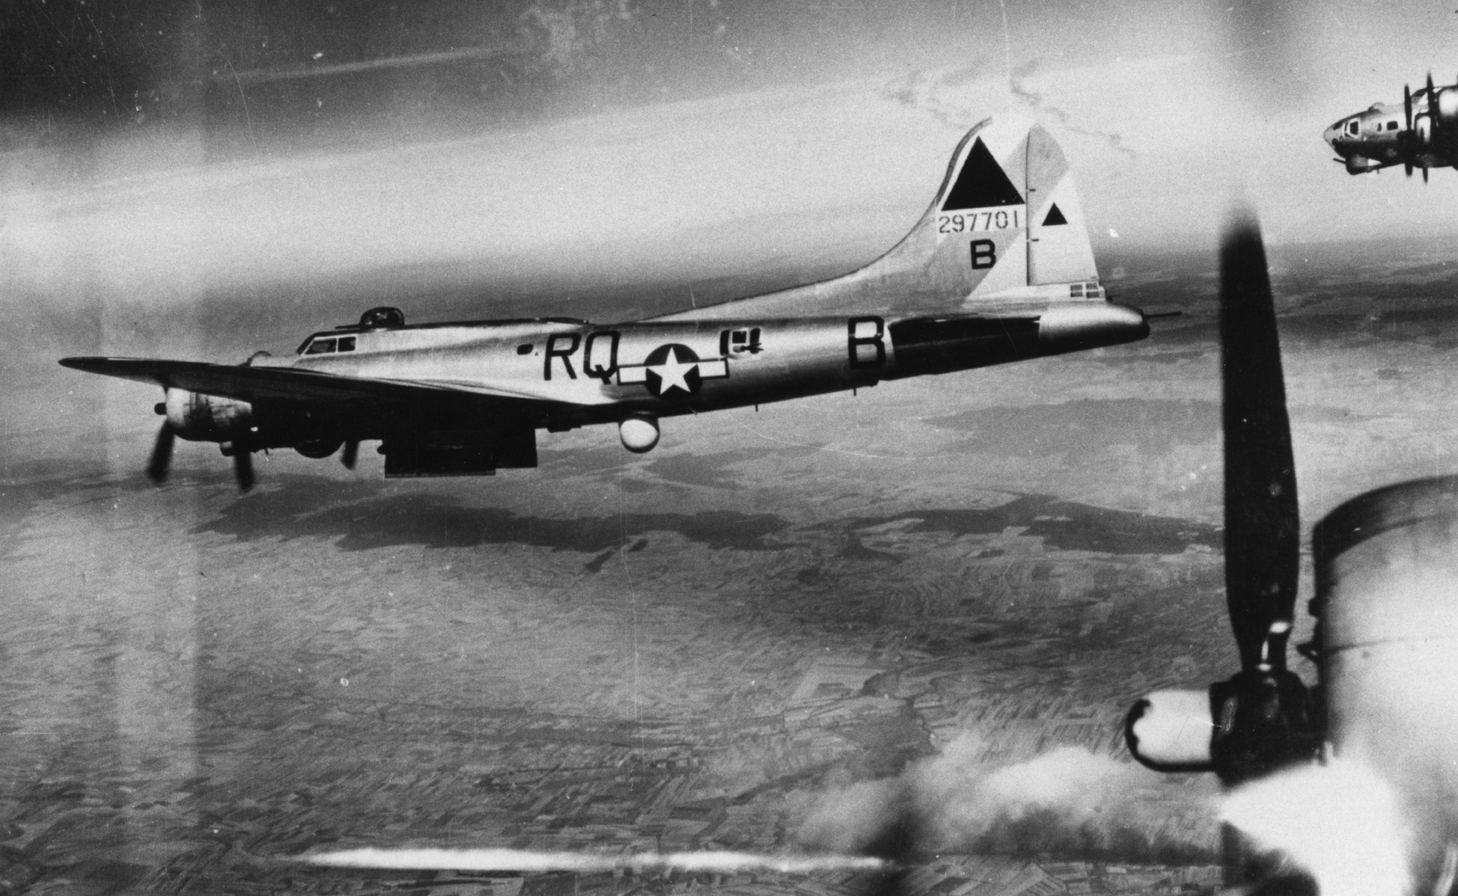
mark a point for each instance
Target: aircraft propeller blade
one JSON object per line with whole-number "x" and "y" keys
{"x": 1435, "y": 121}
{"x": 1405, "y": 140}
{"x": 1425, "y": 174}
{"x": 895, "y": 845}
{"x": 350, "y": 454}
{"x": 1262, "y": 529}
{"x": 161, "y": 461}
{"x": 1262, "y": 719}
{"x": 243, "y": 468}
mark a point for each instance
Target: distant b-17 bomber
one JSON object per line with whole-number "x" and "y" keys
{"x": 998, "y": 269}
{"x": 1421, "y": 133}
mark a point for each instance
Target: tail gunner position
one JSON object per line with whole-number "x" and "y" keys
{"x": 998, "y": 269}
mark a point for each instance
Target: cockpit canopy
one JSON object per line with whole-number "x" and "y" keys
{"x": 327, "y": 345}
{"x": 381, "y": 318}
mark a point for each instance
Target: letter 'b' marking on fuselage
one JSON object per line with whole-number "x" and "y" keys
{"x": 867, "y": 347}
{"x": 984, "y": 254}
{"x": 565, "y": 354}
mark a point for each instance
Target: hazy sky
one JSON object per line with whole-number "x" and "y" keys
{"x": 144, "y": 159}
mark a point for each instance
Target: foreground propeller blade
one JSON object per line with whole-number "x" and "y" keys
{"x": 896, "y": 845}
{"x": 1262, "y": 529}
{"x": 350, "y": 454}
{"x": 1407, "y": 107}
{"x": 243, "y": 469}
{"x": 161, "y": 460}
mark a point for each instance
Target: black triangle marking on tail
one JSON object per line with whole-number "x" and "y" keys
{"x": 982, "y": 183}
{"x": 1055, "y": 217}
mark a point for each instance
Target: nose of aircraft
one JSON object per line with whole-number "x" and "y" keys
{"x": 1331, "y": 135}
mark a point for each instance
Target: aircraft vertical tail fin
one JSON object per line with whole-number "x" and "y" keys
{"x": 1005, "y": 226}
{"x": 1058, "y": 245}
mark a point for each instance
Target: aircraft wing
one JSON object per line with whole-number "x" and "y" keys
{"x": 247, "y": 383}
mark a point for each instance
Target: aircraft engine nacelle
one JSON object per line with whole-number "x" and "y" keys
{"x": 1254, "y": 723}
{"x": 1447, "y": 106}
{"x": 199, "y": 417}
{"x": 1387, "y": 601}
{"x": 1423, "y": 133}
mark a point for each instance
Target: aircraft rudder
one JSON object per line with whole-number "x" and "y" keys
{"x": 1059, "y": 250}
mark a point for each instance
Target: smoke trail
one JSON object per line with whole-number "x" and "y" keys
{"x": 527, "y": 861}
{"x": 1006, "y": 42}
{"x": 1018, "y": 83}
{"x": 1338, "y": 821}
{"x": 1068, "y": 802}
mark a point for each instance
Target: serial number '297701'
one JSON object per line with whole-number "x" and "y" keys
{"x": 965, "y": 222}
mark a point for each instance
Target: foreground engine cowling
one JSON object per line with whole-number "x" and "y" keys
{"x": 1252, "y": 724}
{"x": 199, "y": 417}
{"x": 1171, "y": 731}
{"x": 1387, "y": 601}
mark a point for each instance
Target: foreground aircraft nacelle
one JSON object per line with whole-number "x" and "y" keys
{"x": 1356, "y": 777}
{"x": 1387, "y": 648}
{"x": 1387, "y": 659}
{"x": 1211, "y": 730}
{"x": 998, "y": 269}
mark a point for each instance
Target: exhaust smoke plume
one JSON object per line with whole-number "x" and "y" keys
{"x": 1068, "y": 802}
{"x": 1338, "y": 822}
{"x": 533, "y": 861}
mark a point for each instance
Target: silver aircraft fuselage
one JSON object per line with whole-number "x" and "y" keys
{"x": 585, "y": 373}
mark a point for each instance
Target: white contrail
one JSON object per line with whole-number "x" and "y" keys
{"x": 301, "y": 70}
{"x": 521, "y": 860}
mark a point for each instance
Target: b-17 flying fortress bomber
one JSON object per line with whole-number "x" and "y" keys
{"x": 1421, "y": 133}
{"x": 998, "y": 269}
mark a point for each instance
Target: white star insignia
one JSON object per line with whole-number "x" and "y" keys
{"x": 672, "y": 372}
